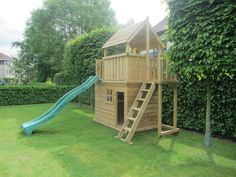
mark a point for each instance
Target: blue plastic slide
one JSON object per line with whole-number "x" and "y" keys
{"x": 28, "y": 127}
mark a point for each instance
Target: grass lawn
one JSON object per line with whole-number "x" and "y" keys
{"x": 74, "y": 145}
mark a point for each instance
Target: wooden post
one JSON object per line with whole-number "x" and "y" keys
{"x": 127, "y": 48}
{"x": 127, "y": 70}
{"x": 159, "y": 109}
{"x": 175, "y": 107}
{"x": 105, "y": 52}
{"x": 148, "y": 62}
{"x": 159, "y": 65}
{"x": 92, "y": 90}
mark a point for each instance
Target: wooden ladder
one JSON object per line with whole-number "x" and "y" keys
{"x": 136, "y": 112}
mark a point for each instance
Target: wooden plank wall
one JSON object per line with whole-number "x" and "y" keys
{"x": 149, "y": 118}
{"x": 130, "y": 68}
{"x": 114, "y": 69}
{"x": 107, "y": 112}
{"x": 136, "y": 68}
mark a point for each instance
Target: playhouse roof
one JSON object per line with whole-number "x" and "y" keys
{"x": 134, "y": 34}
{"x": 123, "y": 35}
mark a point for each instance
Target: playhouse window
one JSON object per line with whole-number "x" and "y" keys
{"x": 109, "y": 96}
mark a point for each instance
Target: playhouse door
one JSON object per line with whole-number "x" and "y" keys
{"x": 120, "y": 108}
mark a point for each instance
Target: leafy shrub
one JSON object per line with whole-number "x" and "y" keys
{"x": 80, "y": 55}
{"x": 18, "y": 95}
{"x": 62, "y": 78}
{"x": 202, "y": 46}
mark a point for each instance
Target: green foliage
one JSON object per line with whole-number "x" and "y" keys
{"x": 80, "y": 56}
{"x": 22, "y": 65}
{"x": 204, "y": 37}
{"x": 17, "y": 95}
{"x": 51, "y": 27}
{"x": 36, "y": 94}
{"x": 63, "y": 78}
{"x": 192, "y": 103}
{"x": 204, "y": 43}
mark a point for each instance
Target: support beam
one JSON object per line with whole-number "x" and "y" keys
{"x": 159, "y": 66}
{"x": 159, "y": 109}
{"x": 105, "y": 50}
{"x": 127, "y": 48}
{"x": 148, "y": 62}
{"x": 170, "y": 132}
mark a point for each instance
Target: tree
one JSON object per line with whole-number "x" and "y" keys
{"x": 204, "y": 37}
{"x": 52, "y": 26}
{"x": 22, "y": 65}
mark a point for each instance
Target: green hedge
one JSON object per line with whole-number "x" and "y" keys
{"x": 80, "y": 55}
{"x": 192, "y": 106}
{"x": 19, "y": 95}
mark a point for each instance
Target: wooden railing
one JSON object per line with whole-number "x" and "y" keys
{"x": 131, "y": 68}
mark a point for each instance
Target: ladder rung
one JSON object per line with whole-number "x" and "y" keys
{"x": 141, "y": 99}
{"x": 131, "y": 118}
{"x": 127, "y": 129}
{"x": 145, "y": 90}
{"x": 136, "y": 109}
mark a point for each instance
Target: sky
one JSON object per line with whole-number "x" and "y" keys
{"x": 15, "y": 13}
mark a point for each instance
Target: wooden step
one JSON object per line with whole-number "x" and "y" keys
{"x": 141, "y": 99}
{"x": 136, "y": 109}
{"x": 131, "y": 118}
{"x": 127, "y": 129}
{"x": 145, "y": 90}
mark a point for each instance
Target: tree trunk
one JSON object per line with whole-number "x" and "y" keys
{"x": 207, "y": 141}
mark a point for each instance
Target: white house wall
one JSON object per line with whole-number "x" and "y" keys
{"x": 5, "y": 69}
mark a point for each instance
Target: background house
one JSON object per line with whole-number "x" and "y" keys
{"x": 161, "y": 27}
{"x": 5, "y": 66}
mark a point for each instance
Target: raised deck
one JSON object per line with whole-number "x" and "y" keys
{"x": 129, "y": 68}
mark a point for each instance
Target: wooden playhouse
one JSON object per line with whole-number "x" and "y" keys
{"x": 129, "y": 96}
